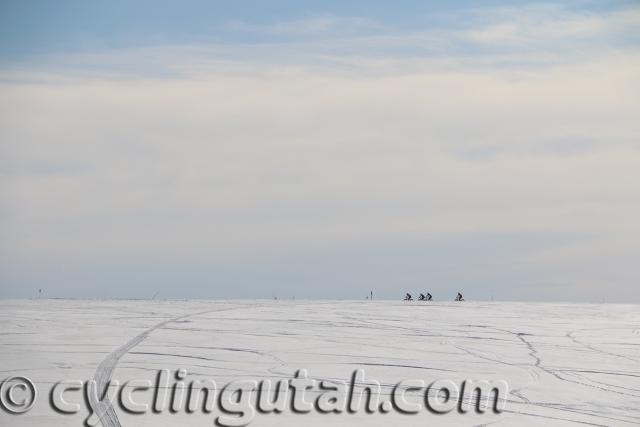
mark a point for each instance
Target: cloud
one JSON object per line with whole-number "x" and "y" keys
{"x": 221, "y": 157}
{"x": 327, "y": 25}
{"x": 520, "y": 39}
{"x": 551, "y": 23}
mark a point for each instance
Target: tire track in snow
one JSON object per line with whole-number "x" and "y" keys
{"x": 590, "y": 347}
{"x": 98, "y": 393}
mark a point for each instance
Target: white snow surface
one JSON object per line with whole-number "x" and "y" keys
{"x": 565, "y": 364}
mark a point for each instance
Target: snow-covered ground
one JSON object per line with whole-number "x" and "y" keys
{"x": 564, "y": 363}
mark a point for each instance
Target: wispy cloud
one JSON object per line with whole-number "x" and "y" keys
{"x": 520, "y": 39}
{"x": 551, "y": 25}
{"x": 326, "y": 25}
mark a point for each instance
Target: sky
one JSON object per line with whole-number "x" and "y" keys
{"x": 320, "y": 149}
